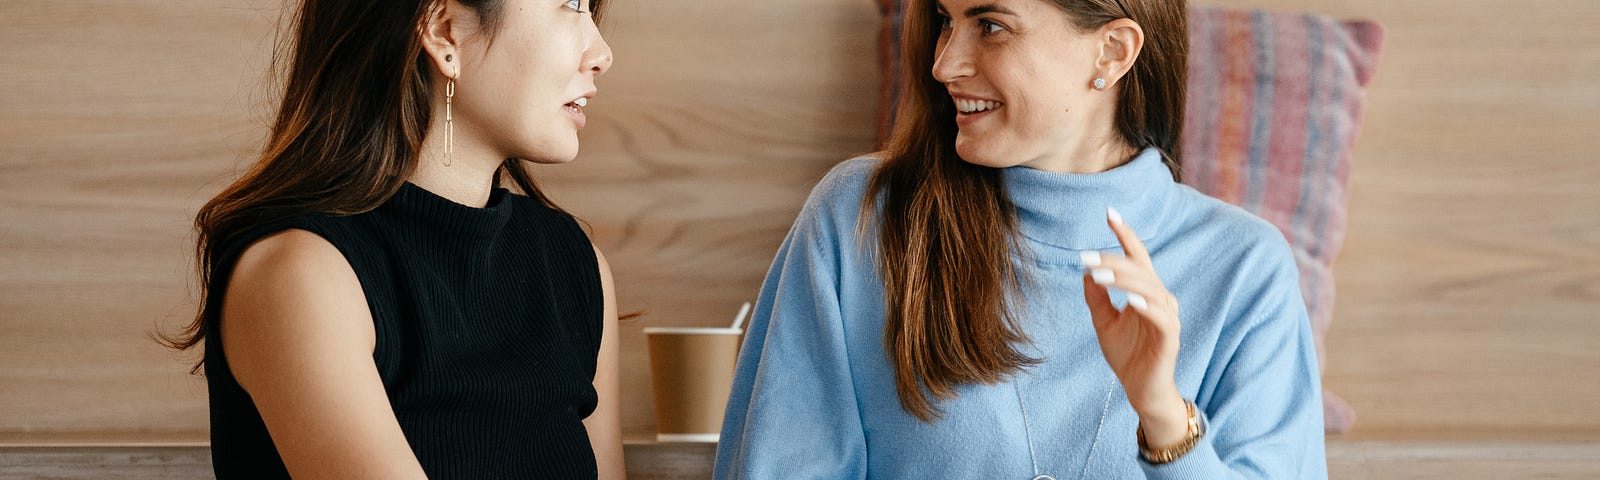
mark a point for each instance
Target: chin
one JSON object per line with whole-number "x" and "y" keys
{"x": 982, "y": 153}
{"x": 551, "y": 154}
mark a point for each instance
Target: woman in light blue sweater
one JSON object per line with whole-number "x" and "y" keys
{"x": 1018, "y": 287}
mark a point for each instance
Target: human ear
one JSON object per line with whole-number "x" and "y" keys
{"x": 439, "y": 37}
{"x": 1120, "y": 42}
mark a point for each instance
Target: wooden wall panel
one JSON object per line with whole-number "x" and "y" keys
{"x": 1469, "y": 284}
{"x": 119, "y": 120}
{"x": 708, "y": 133}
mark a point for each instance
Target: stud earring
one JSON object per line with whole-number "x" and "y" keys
{"x": 1099, "y": 83}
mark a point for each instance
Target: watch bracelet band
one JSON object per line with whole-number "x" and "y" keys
{"x": 1197, "y": 430}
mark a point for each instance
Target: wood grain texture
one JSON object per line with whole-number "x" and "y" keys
{"x": 120, "y": 119}
{"x": 1469, "y": 285}
{"x": 708, "y": 133}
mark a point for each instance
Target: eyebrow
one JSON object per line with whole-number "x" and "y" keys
{"x": 989, "y": 8}
{"x": 982, "y": 9}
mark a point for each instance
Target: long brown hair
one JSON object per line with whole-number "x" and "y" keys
{"x": 949, "y": 230}
{"x": 357, "y": 99}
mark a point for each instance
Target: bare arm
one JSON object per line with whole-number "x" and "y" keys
{"x": 298, "y": 336}
{"x": 605, "y": 425}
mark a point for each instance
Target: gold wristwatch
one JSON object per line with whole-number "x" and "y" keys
{"x": 1197, "y": 430}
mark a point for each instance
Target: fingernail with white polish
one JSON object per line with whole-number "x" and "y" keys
{"x": 1090, "y": 258}
{"x": 1103, "y": 276}
{"x": 1137, "y": 301}
{"x": 1113, "y": 215}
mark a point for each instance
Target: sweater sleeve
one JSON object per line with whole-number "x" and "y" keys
{"x": 1265, "y": 407}
{"x": 793, "y": 411}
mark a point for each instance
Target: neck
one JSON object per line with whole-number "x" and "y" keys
{"x": 468, "y": 180}
{"x": 1094, "y": 151}
{"x": 1091, "y": 155}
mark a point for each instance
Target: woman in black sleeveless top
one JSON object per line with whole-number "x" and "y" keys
{"x": 376, "y": 305}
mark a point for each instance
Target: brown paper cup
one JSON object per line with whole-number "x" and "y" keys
{"x": 691, "y": 372}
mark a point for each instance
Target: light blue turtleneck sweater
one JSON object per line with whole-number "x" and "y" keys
{"x": 814, "y": 396}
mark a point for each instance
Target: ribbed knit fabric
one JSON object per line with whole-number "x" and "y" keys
{"x": 488, "y": 324}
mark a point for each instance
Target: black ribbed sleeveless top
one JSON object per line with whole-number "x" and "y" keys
{"x": 488, "y": 324}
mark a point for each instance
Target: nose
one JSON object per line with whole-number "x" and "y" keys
{"x": 952, "y": 60}
{"x": 598, "y": 58}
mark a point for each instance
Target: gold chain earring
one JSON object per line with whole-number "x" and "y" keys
{"x": 449, "y": 120}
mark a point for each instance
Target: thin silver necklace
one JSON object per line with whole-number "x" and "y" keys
{"x": 1027, "y": 428}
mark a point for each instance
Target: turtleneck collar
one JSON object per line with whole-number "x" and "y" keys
{"x": 1069, "y": 210}
{"x": 445, "y": 215}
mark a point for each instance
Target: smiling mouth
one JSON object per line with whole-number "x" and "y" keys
{"x": 967, "y": 107}
{"x": 576, "y": 106}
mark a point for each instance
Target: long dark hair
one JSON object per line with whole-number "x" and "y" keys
{"x": 357, "y": 99}
{"x": 948, "y": 229}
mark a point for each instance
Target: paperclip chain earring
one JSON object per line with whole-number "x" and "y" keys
{"x": 449, "y": 116}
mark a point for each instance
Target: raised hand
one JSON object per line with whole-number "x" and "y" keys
{"x": 1139, "y": 342}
